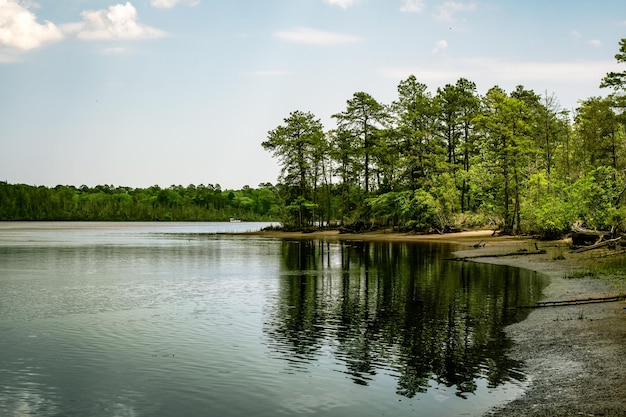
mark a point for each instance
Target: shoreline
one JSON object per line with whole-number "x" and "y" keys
{"x": 574, "y": 356}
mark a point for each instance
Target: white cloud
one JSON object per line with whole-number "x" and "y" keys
{"x": 344, "y": 4}
{"x": 168, "y": 4}
{"x": 116, "y": 22}
{"x": 496, "y": 71}
{"x": 447, "y": 12}
{"x": 19, "y": 27}
{"x": 315, "y": 36}
{"x": 595, "y": 42}
{"x": 576, "y": 34}
{"x": 412, "y": 6}
{"x": 440, "y": 47}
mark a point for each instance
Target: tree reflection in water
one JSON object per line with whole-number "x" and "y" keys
{"x": 398, "y": 309}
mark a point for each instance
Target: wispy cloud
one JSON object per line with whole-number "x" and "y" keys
{"x": 315, "y": 37}
{"x": 502, "y": 71}
{"x": 595, "y": 42}
{"x": 344, "y": 4}
{"x": 575, "y": 34}
{"x": 116, "y": 22}
{"x": 168, "y": 4}
{"x": 440, "y": 47}
{"x": 19, "y": 27}
{"x": 448, "y": 11}
{"x": 412, "y": 6}
{"x": 269, "y": 73}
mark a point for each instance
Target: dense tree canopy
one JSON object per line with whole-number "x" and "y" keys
{"x": 107, "y": 203}
{"x": 455, "y": 158}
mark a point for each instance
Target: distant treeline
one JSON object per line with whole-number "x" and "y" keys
{"x": 110, "y": 203}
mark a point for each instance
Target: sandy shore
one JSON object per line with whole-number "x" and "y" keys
{"x": 575, "y": 356}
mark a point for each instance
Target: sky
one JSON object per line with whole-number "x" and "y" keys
{"x": 178, "y": 92}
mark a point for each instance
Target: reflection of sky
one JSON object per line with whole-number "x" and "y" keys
{"x": 125, "y": 330}
{"x": 25, "y": 395}
{"x": 119, "y": 233}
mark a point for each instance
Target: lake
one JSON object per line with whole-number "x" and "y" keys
{"x": 179, "y": 319}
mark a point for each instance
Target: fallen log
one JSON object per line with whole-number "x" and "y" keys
{"x": 559, "y": 303}
{"x": 598, "y": 245}
{"x": 499, "y": 255}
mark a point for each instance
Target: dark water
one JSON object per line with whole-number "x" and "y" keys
{"x": 172, "y": 319}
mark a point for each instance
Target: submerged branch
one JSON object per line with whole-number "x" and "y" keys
{"x": 499, "y": 255}
{"x": 610, "y": 299}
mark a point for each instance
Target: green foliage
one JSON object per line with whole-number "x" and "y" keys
{"x": 387, "y": 208}
{"x": 362, "y": 120}
{"x": 617, "y": 80}
{"x": 595, "y": 199}
{"x": 301, "y": 146}
{"x": 512, "y": 160}
{"x": 421, "y": 210}
{"x": 544, "y": 210}
{"x": 297, "y": 211}
{"x": 109, "y": 203}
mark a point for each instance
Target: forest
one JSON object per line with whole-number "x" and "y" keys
{"x": 109, "y": 203}
{"x": 514, "y": 160}
{"x": 441, "y": 161}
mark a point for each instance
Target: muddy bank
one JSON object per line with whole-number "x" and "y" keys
{"x": 575, "y": 356}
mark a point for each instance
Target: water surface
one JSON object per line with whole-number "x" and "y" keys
{"x": 161, "y": 319}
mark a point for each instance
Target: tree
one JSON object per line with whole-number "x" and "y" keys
{"x": 598, "y": 136}
{"x": 363, "y": 117}
{"x": 458, "y": 106}
{"x": 296, "y": 144}
{"x": 421, "y": 150}
{"x": 347, "y": 167}
{"x": 505, "y": 148}
{"x": 617, "y": 80}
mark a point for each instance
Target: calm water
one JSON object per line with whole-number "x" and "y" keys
{"x": 173, "y": 319}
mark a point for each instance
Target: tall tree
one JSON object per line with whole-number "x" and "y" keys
{"x": 598, "y": 136}
{"x": 421, "y": 149}
{"x": 296, "y": 144}
{"x": 346, "y": 167}
{"x": 458, "y": 105}
{"x": 505, "y": 147}
{"x": 363, "y": 118}
{"x": 617, "y": 80}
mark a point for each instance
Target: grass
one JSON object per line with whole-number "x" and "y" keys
{"x": 612, "y": 269}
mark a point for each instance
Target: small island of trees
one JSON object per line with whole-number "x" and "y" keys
{"x": 453, "y": 159}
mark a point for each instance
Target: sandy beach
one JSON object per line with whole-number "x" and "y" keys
{"x": 575, "y": 356}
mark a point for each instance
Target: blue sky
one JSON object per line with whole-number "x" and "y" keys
{"x": 183, "y": 92}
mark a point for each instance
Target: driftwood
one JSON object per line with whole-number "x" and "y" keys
{"x": 584, "y": 237}
{"x": 542, "y": 304}
{"x": 499, "y": 255}
{"x": 598, "y": 245}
